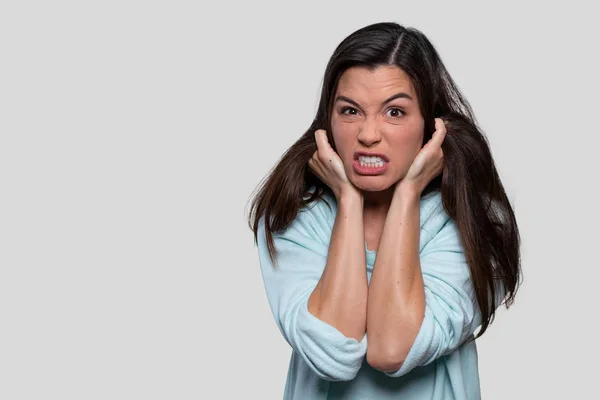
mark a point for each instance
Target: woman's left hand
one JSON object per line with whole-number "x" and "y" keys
{"x": 428, "y": 163}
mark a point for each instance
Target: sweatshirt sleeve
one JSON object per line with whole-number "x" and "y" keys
{"x": 451, "y": 311}
{"x": 300, "y": 263}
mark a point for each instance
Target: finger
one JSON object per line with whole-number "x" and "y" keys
{"x": 314, "y": 160}
{"x": 312, "y": 164}
{"x": 438, "y": 136}
{"x": 322, "y": 140}
{"x": 440, "y": 132}
{"x": 326, "y": 153}
{"x": 316, "y": 168}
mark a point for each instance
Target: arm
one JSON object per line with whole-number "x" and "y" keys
{"x": 330, "y": 337}
{"x": 396, "y": 300}
{"x": 421, "y": 302}
{"x": 340, "y": 297}
{"x": 421, "y": 332}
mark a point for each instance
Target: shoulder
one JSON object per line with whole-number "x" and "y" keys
{"x": 316, "y": 219}
{"x": 435, "y": 221}
{"x": 441, "y": 230}
{"x": 433, "y": 215}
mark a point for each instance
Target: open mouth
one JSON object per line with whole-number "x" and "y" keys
{"x": 370, "y": 165}
{"x": 370, "y": 161}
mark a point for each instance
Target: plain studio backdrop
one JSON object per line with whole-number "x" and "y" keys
{"x": 133, "y": 134}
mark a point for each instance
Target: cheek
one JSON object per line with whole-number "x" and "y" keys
{"x": 342, "y": 137}
{"x": 406, "y": 146}
{"x": 409, "y": 142}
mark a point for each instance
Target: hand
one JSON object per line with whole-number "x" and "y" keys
{"x": 328, "y": 166}
{"x": 428, "y": 163}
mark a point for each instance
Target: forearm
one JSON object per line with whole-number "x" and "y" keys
{"x": 396, "y": 299}
{"x": 340, "y": 297}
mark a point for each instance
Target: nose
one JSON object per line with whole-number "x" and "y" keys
{"x": 369, "y": 134}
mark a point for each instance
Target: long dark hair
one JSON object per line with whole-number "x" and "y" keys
{"x": 472, "y": 193}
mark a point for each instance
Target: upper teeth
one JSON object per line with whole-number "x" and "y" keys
{"x": 370, "y": 159}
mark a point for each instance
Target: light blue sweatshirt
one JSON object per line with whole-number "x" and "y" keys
{"x": 325, "y": 364}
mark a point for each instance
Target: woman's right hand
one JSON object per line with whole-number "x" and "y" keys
{"x": 328, "y": 166}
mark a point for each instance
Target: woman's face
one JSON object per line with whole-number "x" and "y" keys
{"x": 376, "y": 112}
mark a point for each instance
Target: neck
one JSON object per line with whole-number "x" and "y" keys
{"x": 379, "y": 201}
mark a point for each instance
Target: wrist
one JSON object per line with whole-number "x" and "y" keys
{"x": 405, "y": 205}
{"x": 350, "y": 198}
{"x": 407, "y": 191}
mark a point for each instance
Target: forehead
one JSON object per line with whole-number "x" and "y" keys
{"x": 381, "y": 82}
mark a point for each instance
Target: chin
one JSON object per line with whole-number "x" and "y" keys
{"x": 374, "y": 183}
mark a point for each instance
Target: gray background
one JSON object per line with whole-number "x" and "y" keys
{"x": 133, "y": 133}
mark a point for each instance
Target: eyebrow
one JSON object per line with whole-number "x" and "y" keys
{"x": 400, "y": 95}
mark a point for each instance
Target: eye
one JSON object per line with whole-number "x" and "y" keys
{"x": 395, "y": 112}
{"x": 349, "y": 111}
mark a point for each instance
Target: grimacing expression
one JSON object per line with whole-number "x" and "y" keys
{"x": 376, "y": 111}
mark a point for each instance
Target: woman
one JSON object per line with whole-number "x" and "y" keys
{"x": 384, "y": 233}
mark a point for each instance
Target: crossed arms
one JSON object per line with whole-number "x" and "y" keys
{"x": 418, "y": 306}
